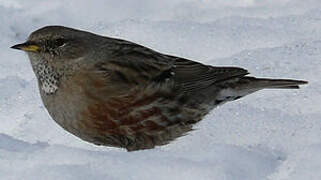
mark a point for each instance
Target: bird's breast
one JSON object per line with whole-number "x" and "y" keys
{"x": 125, "y": 115}
{"x": 139, "y": 118}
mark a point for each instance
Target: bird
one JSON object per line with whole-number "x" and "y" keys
{"x": 118, "y": 93}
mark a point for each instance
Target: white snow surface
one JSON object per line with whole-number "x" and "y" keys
{"x": 272, "y": 134}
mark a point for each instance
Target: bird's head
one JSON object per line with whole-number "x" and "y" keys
{"x": 55, "y": 51}
{"x": 57, "y": 44}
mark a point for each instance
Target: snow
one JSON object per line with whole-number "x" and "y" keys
{"x": 272, "y": 134}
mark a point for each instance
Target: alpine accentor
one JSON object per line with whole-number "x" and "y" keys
{"x": 117, "y": 93}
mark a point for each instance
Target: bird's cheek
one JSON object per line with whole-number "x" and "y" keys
{"x": 48, "y": 57}
{"x": 35, "y": 57}
{"x": 76, "y": 52}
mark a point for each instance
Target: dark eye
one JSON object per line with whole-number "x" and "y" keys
{"x": 59, "y": 42}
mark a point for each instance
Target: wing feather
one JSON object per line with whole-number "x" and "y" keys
{"x": 146, "y": 66}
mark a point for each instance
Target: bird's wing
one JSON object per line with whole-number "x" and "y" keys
{"x": 131, "y": 63}
{"x": 193, "y": 76}
{"x": 138, "y": 65}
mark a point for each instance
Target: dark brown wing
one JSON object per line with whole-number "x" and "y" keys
{"x": 140, "y": 65}
{"x": 194, "y": 76}
{"x": 133, "y": 63}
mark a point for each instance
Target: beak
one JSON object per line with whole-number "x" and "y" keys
{"x": 27, "y": 46}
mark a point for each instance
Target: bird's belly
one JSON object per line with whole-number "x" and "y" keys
{"x": 129, "y": 121}
{"x": 134, "y": 121}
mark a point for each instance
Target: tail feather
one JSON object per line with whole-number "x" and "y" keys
{"x": 247, "y": 85}
{"x": 262, "y": 83}
{"x": 287, "y": 87}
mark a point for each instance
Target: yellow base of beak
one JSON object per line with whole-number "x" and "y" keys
{"x": 26, "y": 47}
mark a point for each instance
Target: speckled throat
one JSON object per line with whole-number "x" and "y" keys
{"x": 48, "y": 77}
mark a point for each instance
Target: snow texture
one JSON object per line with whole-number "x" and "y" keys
{"x": 269, "y": 135}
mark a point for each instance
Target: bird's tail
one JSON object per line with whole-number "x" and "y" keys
{"x": 262, "y": 83}
{"x": 247, "y": 85}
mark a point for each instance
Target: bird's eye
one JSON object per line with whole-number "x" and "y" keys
{"x": 59, "y": 42}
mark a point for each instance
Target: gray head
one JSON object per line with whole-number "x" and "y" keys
{"x": 54, "y": 50}
{"x": 57, "y": 43}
